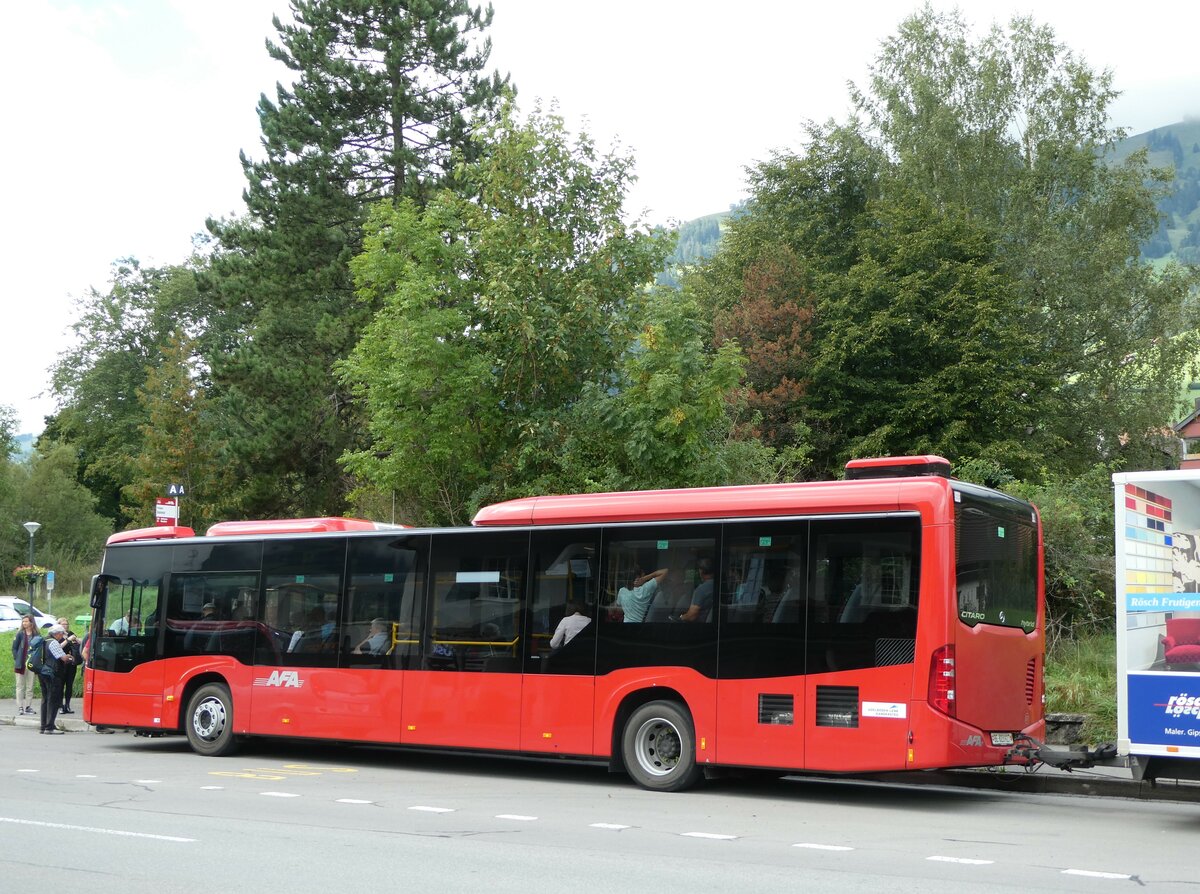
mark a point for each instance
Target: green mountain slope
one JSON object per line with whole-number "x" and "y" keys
{"x": 1175, "y": 146}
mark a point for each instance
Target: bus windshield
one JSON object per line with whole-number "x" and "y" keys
{"x": 996, "y": 554}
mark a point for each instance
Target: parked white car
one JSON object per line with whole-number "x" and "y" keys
{"x": 13, "y": 607}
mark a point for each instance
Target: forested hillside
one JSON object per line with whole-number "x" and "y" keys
{"x": 695, "y": 240}
{"x": 1174, "y": 146}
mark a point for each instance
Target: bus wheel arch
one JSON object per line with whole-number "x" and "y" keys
{"x": 655, "y": 741}
{"x": 208, "y": 718}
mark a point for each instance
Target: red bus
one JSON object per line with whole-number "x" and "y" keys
{"x": 893, "y": 620}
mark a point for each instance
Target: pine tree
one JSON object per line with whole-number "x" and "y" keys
{"x": 385, "y": 94}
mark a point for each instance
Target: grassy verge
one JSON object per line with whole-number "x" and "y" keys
{"x": 1081, "y": 678}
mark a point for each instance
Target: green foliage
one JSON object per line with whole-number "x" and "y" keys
{"x": 967, "y": 250}
{"x": 44, "y": 488}
{"x": 176, "y": 446}
{"x": 120, "y": 335}
{"x": 386, "y": 95}
{"x": 922, "y": 345}
{"x": 492, "y": 314}
{"x": 664, "y": 420}
{"x": 1077, "y": 522}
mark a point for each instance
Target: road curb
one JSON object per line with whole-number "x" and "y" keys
{"x": 33, "y": 722}
{"x": 1046, "y": 780}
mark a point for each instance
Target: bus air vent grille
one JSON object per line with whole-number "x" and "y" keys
{"x": 776, "y": 709}
{"x": 837, "y": 706}
{"x": 1030, "y": 681}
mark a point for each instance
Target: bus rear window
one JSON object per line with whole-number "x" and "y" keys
{"x": 996, "y": 560}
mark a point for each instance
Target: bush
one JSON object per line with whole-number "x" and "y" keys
{"x": 1077, "y": 528}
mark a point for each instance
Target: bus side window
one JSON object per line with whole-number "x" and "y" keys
{"x": 477, "y": 602}
{"x": 562, "y": 615}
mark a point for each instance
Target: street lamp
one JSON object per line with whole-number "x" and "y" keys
{"x": 32, "y": 528}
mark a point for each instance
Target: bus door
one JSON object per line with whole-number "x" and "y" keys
{"x": 467, "y": 690}
{"x": 381, "y": 625}
{"x": 761, "y": 692}
{"x": 560, "y": 643}
{"x": 298, "y": 688}
{"x": 862, "y": 629}
{"x": 126, "y": 680}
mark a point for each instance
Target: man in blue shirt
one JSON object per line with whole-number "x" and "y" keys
{"x": 635, "y": 600}
{"x": 702, "y": 596}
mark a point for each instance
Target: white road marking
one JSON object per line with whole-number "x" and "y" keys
{"x": 212, "y": 788}
{"x": 28, "y": 771}
{"x": 967, "y": 861}
{"x": 279, "y": 794}
{"x": 353, "y": 801}
{"x": 516, "y": 816}
{"x": 433, "y": 809}
{"x": 147, "y": 781}
{"x": 1089, "y": 873}
{"x": 121, "y": 832}
{"x": 616, "y": 826}
{"x": 710, "y": 835}
{"x": 85, "y": 776}
{"x": 823, "y": 847}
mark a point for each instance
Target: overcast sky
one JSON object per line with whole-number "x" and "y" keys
{"x": 126, "y": 117}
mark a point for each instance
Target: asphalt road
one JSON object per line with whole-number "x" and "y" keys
{"x": 119, "y": 813}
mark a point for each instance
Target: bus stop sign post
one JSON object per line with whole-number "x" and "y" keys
{"x": 166, "y": 509}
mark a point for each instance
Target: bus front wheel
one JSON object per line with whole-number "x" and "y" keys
{"x": 209, "y": 721}
{"x": 659, "y": 747}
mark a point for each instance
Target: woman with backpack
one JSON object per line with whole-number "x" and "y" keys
{"x": 26, "y": 680}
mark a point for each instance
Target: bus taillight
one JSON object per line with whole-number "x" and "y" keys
{"x": 941, "y": 679}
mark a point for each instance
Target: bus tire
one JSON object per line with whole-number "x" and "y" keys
{"x": 658, "y": 745}
{"x": 209, "y": 721}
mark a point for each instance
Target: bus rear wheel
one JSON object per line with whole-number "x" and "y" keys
{"x": 209, "y": 721}
{"x": 658, "y": 745}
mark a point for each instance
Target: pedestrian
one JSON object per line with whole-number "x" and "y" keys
{"x": 26, "y": 679}
{"x": 51, "y": 678}
{"x": 71, "y": 647}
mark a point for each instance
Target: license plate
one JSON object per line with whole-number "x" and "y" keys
{"x": 1002, "y": 738}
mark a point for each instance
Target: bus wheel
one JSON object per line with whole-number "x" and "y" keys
{"x": 209, "y": 721}
{"x": 659, "y": 748}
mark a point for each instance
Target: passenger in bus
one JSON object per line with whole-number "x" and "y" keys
{"x": 297, "y": 626}
{"x": 310, "y": 631}
{"x": 867, "y": 595}
{"x": 635, "y": 600}
{"x": 702, "y": 597}
{"x": 378, "y": 642}
{"x": 568, "y": 628}
{"x": 128, "y": 625}
{"x": 198, "y": 637}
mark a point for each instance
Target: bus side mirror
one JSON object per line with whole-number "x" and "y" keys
{"x": 99, "y": 590}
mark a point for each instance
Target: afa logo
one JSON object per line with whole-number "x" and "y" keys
{"x": 286, "y": 679}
